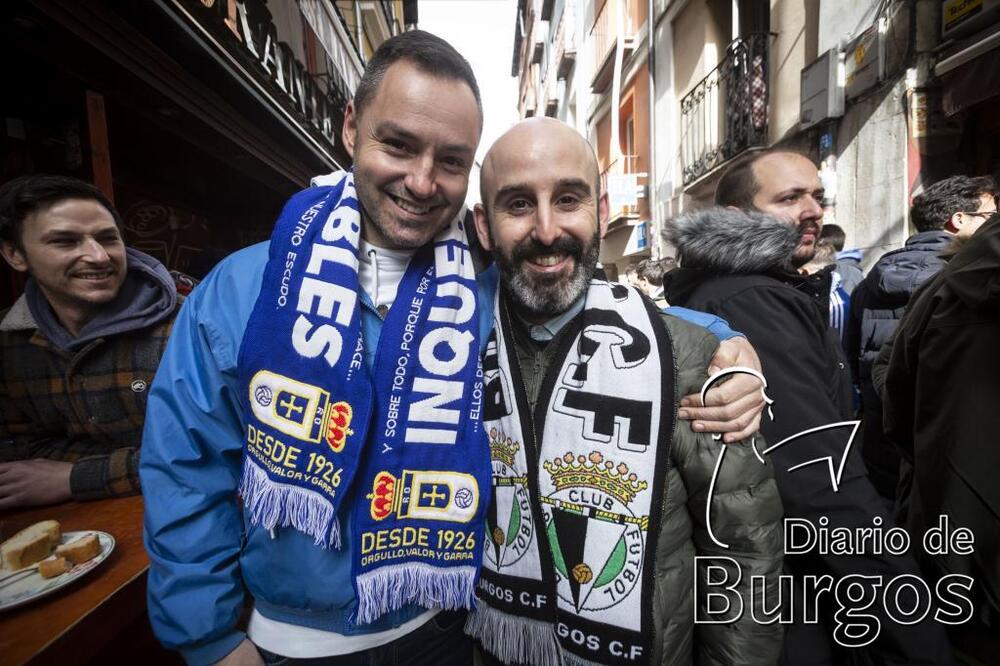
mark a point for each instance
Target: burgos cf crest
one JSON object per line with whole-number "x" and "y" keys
{"x": 597, "y": 541}
{"x": 300, "y": 410}
{"x": 511, "y": 531}
{"x": 425, "y": 495}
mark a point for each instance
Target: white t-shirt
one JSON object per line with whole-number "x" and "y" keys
{"x": 379, "y": 273}
{"x": 291, "y": 640}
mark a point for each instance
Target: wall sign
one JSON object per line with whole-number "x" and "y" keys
{"x": 246, "y": 31}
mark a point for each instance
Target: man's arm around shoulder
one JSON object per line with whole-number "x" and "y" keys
{"x": 745, "y": 515}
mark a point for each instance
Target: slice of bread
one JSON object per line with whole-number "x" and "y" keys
{"x": 80, "y": 550}
{"x": 30, "y": 545}
{"x": 54, "y": 566}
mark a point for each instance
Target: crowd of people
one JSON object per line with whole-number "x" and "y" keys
{"x": 386, "y": 455}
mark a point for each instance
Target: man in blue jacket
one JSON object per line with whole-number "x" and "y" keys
{"x": 280, "y": 368}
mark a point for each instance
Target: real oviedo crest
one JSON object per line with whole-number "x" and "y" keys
{"x": 425, "y": 495}
{"x": 302, "y": 411}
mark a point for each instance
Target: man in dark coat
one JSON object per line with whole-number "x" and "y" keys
{"x": 941, "y": 393}
{"x": 952, "y": 208}
{"x": 742, "y": 267}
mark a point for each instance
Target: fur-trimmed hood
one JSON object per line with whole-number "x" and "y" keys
{"x": 727, "y": 241}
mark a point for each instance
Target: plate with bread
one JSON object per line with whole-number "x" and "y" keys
{"x": 41, "y": 559}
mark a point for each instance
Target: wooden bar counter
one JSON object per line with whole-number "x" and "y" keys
{"x": 78, "y": 622}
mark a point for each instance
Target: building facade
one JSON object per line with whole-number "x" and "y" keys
{"x": 586, "y": 63}
{"x": 198, "y": 118}
{"x": 886, "y": 95}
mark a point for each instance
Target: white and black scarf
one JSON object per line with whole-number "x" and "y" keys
{"x": 579, "y": 487}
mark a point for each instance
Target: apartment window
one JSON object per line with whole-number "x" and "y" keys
{"x": 754, "y": 16}
{"x": 630, "y": 137}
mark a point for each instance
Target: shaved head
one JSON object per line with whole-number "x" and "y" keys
{"x": 542, "y": 215}
{"x": 535, "y": 139}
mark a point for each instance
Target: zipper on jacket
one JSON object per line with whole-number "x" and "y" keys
{"x": 371, "y": 307}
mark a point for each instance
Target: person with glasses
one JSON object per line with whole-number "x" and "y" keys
{"x": 951, "y": 208}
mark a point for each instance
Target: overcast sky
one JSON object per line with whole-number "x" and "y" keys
{"x": 483, "y": 32}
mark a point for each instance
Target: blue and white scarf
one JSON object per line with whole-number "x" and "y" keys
{"x": 403, "y": 440}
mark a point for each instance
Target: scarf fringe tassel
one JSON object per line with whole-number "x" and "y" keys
{"x": 513, "y": 639}
{"x": 387, "y": 588}
{"x": 271, "y": 504}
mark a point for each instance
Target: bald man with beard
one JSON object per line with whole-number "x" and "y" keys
{"x": 600, "y": 490}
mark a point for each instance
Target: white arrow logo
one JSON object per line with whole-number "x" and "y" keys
{"x": 836, "y": 468}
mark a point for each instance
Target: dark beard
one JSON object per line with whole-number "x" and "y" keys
{"x": 803, "y": 255}
{"x": 796, "y": 260}
{"x": 548, "y": 297}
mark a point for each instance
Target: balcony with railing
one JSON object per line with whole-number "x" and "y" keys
{"x": 515, "y": 65}
{"x": 621, "y": 173}
{"x": 614, "y": 17}
{"x": 553, "y": 84}
{"x": 726, "y": 112}
{"x": 567, "y": 54}
{"x": 563, "y": 48}
{"x": 529, "y": 94}
{"x": 328, "y": 27}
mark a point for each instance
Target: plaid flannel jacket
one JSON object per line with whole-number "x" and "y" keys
{"x": 85, "y": 407}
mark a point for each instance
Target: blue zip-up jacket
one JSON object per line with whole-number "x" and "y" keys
{"x": 202, "y": 552}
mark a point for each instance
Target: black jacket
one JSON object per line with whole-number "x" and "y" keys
{"x": 879, "y": 302}
{"x": 941, "y": 396}
{"x": 735, "y": 265}
{"x": 877, "y": 305}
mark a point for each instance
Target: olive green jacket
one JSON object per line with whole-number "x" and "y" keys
{"x": 746, "y": 515}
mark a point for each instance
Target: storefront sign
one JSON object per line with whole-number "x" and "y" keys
{"x": 964, "y": 17}
{"x": 623, "y": 190}
{"x": 247, "y": 31}
{"x": 862, "y": 63}
{"x": 638, "y": 239}
{"x": 954, "y": 12}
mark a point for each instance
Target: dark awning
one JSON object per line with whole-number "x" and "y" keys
{"x": 970, "y": 75}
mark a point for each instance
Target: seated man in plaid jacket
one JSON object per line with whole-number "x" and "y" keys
{"x": 79, "y": 348}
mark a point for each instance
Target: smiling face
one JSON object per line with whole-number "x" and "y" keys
{"x": 788, "y": 187}
{"x": 542, "y": 217}
{"x": 75, "y": 253}
{"x": 413, "y": 147}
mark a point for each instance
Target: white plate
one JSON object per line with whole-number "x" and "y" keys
{"x": 32, "y": 586}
